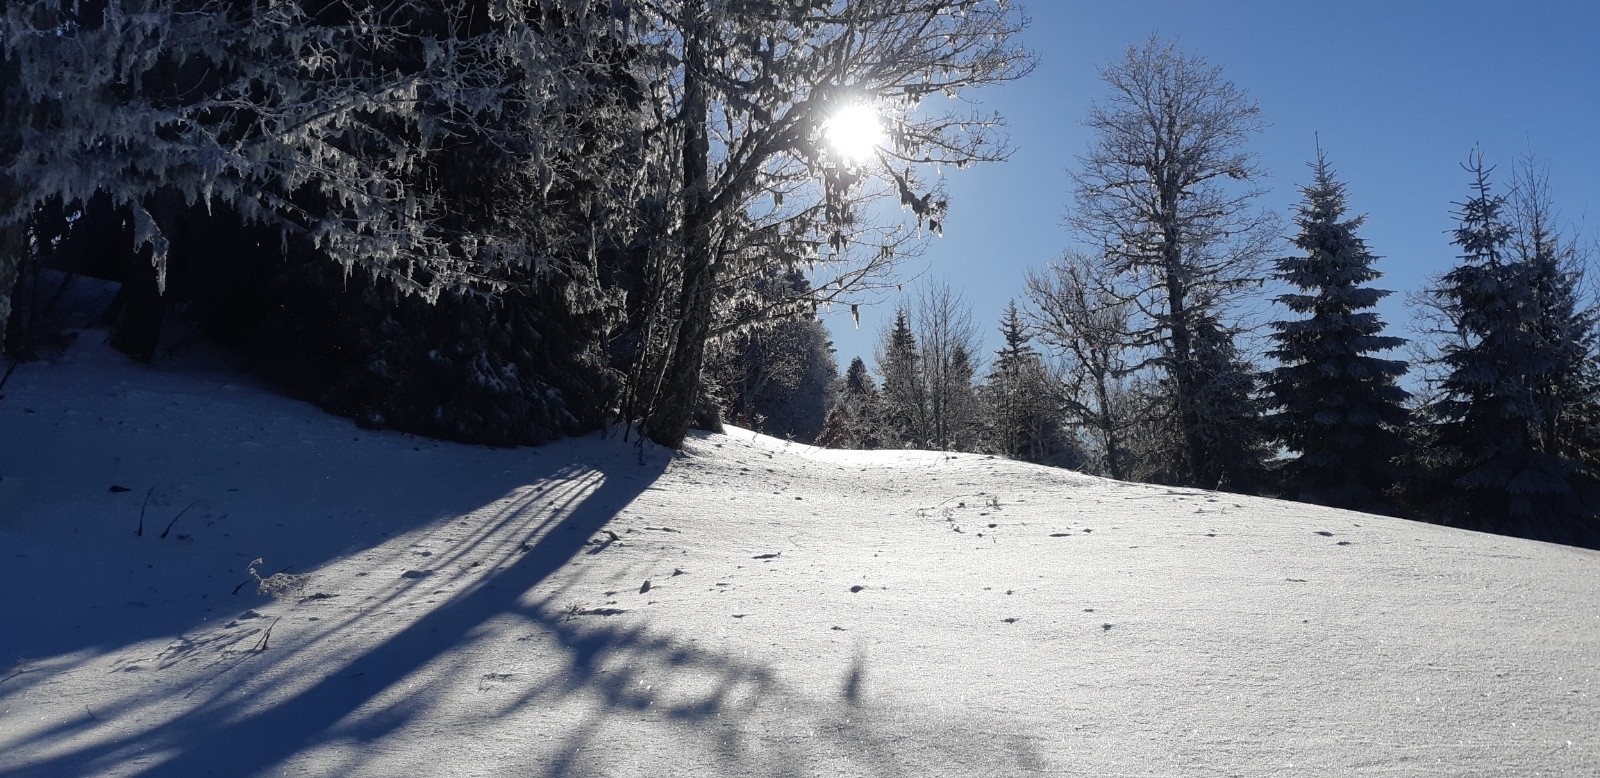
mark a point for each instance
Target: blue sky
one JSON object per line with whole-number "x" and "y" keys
{"x": 1398, "y": 91}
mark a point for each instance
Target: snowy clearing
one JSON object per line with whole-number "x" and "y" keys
{"x": 749, "y": 607}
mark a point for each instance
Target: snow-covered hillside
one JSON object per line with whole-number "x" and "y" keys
{"x": 746, "y": 608}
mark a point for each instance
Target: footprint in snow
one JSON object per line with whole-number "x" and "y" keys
{"x": 416, "y": 574}
{"x": 1325, "y": 533}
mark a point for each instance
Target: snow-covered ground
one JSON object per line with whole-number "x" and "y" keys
{"x": 746, "y": 608}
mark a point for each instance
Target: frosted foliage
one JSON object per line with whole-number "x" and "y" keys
{"x": 321, "y": 127}
{"x": 782, "y": 73}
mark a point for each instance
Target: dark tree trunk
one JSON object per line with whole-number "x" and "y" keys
{"x": 673, "y": 407}
{"x": 141, "y": 308}
{"x": 11, "y": 248}
{"x": 1183, "y": 377}
{"x": 144, "y": 300}
{"x": 1108, "y": 429}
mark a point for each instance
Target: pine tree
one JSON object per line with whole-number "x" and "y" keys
{"x": 1228, "y": 415}
{"x": 1023, "y": 402}
{"x": 961, "y": 409}
{"x": 853, "y": 421}
{"x": 774, "y": 376}
{"x": 1514, "y": 420}
{"x": 1338, "y": 406}
{"x": 905, "y": 399}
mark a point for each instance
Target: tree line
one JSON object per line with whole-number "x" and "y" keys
{"x": 1146, "y": 375}
{"x": 503, "y": 221}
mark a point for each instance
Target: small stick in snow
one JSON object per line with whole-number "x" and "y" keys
{"x": 179, "y": 516}
{"x": 139, "y": 533}
{"x": 261, "y": 645}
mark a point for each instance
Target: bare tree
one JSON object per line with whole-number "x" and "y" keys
{"x": 1165, "y": 194}
{"x": 948, "y": 339}
{"x": 745, "y": 97}
{"x": 1089, "y": 327}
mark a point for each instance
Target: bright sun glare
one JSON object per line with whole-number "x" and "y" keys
{"x": 854, "y": 132}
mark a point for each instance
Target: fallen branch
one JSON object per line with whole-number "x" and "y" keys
{"x": 139, "y": 533}
{"x": 175, "y": 518}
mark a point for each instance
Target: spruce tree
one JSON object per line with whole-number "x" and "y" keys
{"x": 770, "y": 372}
{"x": 1568, "y": 329}
{"x": 853, "y": 422}
{"x": 1228, "y": 415}
{"x": 1023, "y": 402}
{"x": 1506, "y": 459}
{"x": 905, "y": 402}
{"x": 961, "y": 402}
{"x": 1338, "y": 405}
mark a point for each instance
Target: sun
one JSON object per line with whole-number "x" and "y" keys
{"x": 855, "y": 132}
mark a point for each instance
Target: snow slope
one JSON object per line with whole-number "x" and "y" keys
{"x": 747, "y": 608}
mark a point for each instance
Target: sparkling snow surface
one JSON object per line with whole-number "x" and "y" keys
{"x": 747, "y": 608}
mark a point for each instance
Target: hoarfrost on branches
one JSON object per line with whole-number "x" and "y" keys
{"x": 322, "y": 122}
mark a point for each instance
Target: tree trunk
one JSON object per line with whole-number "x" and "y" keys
{"x": 1108, "y": 428}
{"x": 11, "y": 248}
{"x": 1183, "y": 377}
{"x": 672, "y": 408}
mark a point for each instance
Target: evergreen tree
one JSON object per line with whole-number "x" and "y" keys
{"x": 853, "y": 422}
{"x": 1023, "y": 402}
{"x": 1568, "y": 329}
{"x": 961, "y": 409}
{"x": 1338, "y": 406}
{"x": 1228, "y": 415}
{"x": 904, "y": 420}
{"x": 1513, "y": 422}
{"x": 774, "y": 376}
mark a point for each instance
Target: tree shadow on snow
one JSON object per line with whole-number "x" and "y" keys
{"x": 605, "y": 690}
{"x": 240, "y": 736}
{"x": 478, "y": 534}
